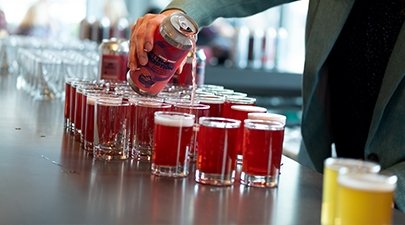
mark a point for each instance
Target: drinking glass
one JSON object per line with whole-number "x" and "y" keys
{"x": 262, "y": 150}
{"x": 198, "y": 110}
{"x": 215, "y": 102}
{"x": 144, "y": 125}
{"x": 240, "y": 112}
{"x": 216, "y": 156}
{"x": 171, "y": 143}
{"x": 365, "y": 198}
{"x": 111, "y": 131}
{"x": 332, "y": 166}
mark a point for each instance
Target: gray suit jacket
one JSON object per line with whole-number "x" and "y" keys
{"x": 325, "y": 19}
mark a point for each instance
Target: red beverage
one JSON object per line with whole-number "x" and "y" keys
{"x": 89, "y": 124}
{"x": 67, "y": 104}
{"x": 145, "y": 110}
{"x": 172, "y": 138}
{"x": 216, "y": 104}
{"x": 216, "y": 157}
{"x": 198, "y": 110}
{"x": 72, "y": 106}
{"x": 78, "y": 110}
{"x": 262, "y": 149}
{"x": 111, "y": 131}
{"x": 230, "y": 101}
{"x": 240, "y": 112}
{"x": 172, "y": 42}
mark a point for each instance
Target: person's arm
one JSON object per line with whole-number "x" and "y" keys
{"x": 203, "y": 12}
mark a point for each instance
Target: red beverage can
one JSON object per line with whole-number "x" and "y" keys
{"x": 172, "y": 42}
{"x": 113, "y": 59}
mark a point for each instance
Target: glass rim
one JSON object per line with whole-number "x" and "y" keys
{"x": 368, "y": 181}
{"x": 191, "y": 106}
{"x": 168, "y": 118}
{"x": 111, "y": 101}
{"x": 263, "y": 124}
{"x": 267, "y": 116}
{"x": 216, "y": 121}
{"x": 337, "y": 163}
{"x": 248, "y": 108}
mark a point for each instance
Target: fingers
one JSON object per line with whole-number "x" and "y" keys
{"x": 142, "y": 33}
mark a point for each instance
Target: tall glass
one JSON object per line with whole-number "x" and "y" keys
{"x": 262, "y": 150}
{"x": 171, "y": 143}
{"x": 216, "y": 156}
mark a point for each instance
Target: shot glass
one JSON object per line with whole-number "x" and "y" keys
{"x": 332, "y": 166}
{"x": 144, "y": 125}
{"x": 236, "y": 100}
{"x": 88, "y": 131}
{"x": 111, "y": 132}
{"x": 262, "y": 150}
{"x": 171, "y": 142}
{"x": 216, "y": 104}
{"x": 198, "y": 110}
{"x": 216, "y": 156}
{"x": 365, "y": 198}
{"x": 240, "y": 112}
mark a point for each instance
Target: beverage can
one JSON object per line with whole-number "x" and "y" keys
{"x": 113, "y": 59}
{"x": 172, "y": 42}
{"x": 185, "y": 77}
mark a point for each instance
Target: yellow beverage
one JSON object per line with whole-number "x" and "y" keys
{"x": 365, "y": 199}
{"x": 331, "y": 172}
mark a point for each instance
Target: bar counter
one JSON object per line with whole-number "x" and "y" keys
{"x": 45, "y": 178}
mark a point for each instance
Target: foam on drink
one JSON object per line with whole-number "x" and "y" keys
{"x": 248, "y": 108}
{"x": 268, "y": 116}
{"x": 174, "y": 120}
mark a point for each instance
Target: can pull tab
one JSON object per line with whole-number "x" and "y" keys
{"x": 184, "y": 25}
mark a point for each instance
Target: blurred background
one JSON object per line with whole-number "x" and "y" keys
{"x": 262, "y": 55}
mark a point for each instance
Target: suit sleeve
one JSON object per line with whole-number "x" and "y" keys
{"x": 206, "y": 11}
{"x": 399, "y": 170}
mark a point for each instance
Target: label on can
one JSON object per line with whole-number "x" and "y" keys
{"x": 163, "y": 61}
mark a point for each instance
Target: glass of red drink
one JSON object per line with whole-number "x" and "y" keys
{"x": 88, "y": 122}
{"x": 215, "y": 102}
{"x": 262, "y": 149}
{"x": 171, "y": 142}
{"x": 199, "y": 110}
{"x": 144, "y": 125}
{"x": 111, "y": 132}
{"x": 216, "y": 157}
{"x": 240, "y": 112}
{"x": 239, "y": 100}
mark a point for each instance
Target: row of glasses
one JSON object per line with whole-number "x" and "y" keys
{"x": 114, "y": 122}
{"x": 44, "y": 65}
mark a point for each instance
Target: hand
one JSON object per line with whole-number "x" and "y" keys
{"x": 141, "y": 40}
